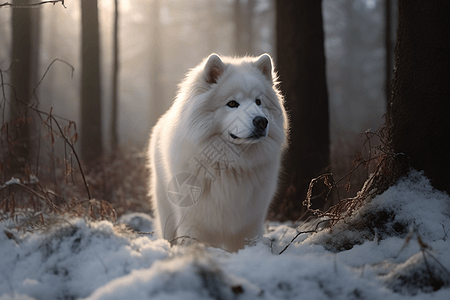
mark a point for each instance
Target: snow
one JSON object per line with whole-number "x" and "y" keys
{"x": 78, "y": 259}
{"x": 10, "y": 182}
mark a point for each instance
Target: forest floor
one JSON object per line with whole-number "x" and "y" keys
{"x": 395, "y": 247}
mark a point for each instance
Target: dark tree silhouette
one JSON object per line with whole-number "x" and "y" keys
{"x": 91, "y": 114}
{"x": 24, "y": 54}
{"x": 115, "y": 84}
{"x": 390, "y": 11}
{"x": 352, "y": 88}
{"x": 156, "y": 88}
{"x": 301, "y": 67}
{"x": 419, "y": 108}
{"x": 243, "y": 19}
{"x": 211, "y": 33}
{"x": 387, "y": 46}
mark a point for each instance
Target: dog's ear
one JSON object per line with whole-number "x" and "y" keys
{"x": 265, "y": 65}
{"x": 214, "y": 67}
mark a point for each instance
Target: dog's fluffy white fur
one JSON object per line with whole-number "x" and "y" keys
{"x": 228, "y": 128}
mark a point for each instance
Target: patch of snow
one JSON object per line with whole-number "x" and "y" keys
{"x": 84, "y": 260}
{"x": 138, "y": 221}
{"x": 10, "y": 182}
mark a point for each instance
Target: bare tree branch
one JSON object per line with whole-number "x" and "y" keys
{"x": 7, "y": 4}
{"x": 53, "y": 119}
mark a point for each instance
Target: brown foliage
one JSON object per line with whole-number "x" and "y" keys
{"x": 377, "y": 163}
{"x": 54, "y": 184}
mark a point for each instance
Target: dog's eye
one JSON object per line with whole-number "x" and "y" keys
{"x": 232, "y": 104}
{"x": 258, "y": 102}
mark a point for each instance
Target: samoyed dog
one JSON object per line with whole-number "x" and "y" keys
{"x": 215, "y": 154}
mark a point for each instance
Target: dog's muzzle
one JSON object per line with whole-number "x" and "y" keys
{"x": 260, "y": 125}
{"x": 259, "y": 129}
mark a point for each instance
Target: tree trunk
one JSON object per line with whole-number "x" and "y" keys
{"x": 243, "y": 20}
{"x": 156, "y": 90}
{"x": 387, "y": 47}
{"x": 24, "y": 56}
{"x": 91, "y": 114}
{"x": 301, "y": 65}
{"x": 114, "y": 120}
{"x": 419, "y": 109}
{"x": 238, "y": 29}
{"x": 249, "y": 26}
{"x": 211, "y": 26}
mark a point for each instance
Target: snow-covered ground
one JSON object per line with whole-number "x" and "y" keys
{"x": 96, "y": 260}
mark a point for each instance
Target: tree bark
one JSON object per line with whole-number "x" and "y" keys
{"x": 211, "y": 26}
{"x": 301, "y": 66}
{"x": 91, "y": 114}
{"x": 114, "y": 118}
{"x": 249, "y": 26}
{"x": 24, "y": 67}
{"x": 419, "y": 108}
{"x": 243, "y": 20}
{"x": 387, "y": 47}
{"x": 238, "y": 29}
{"x": 156, "y": 86}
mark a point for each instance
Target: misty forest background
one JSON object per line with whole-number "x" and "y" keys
{"x": 49, "y": 56}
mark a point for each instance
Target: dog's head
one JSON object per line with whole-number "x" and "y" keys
{"x": 235, "y": 99}
{"x": 246, "y": 104}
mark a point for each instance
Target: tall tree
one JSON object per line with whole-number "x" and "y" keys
{"x": 249, "y": 16}
{"x": 387, "y": 47}
{"x": 354, "y": 47}
{"x": 419, "y": 108}
{"x": 24, "y": 55}
{"x": 115, "y": 85}
{"x": 156, "y": 89}
{"x": 243, "y": 20}
{"x": 91, "y": 114}
{"x": 211, "y": 32}
{"x": 301, "y": 67}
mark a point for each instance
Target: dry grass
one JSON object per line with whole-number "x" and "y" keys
{"x": 372, "y": 167}
{"x": 122, "y": 178}
{"x": 51, "y": 183}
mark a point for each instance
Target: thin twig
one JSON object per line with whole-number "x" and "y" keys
{"x": 445, "y": 232}
{"x": 428, "y": 267}
{"x": 182, "y": 237}
{"x": 440, "y": 264}
{"x": 302, "y": 232}
{"x": 293, "y": 239}
{"x": 71, "y": 147}
{"x": 46, "y": 71}
{"x": 42, "y": 197}
{"x": 7, "y": 4}
{"x": 52, "y": 118}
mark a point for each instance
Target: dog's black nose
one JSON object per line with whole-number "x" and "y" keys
{"x": 260, "y": 122}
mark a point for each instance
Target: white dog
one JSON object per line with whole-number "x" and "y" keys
{"x": 215, "y": 154}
